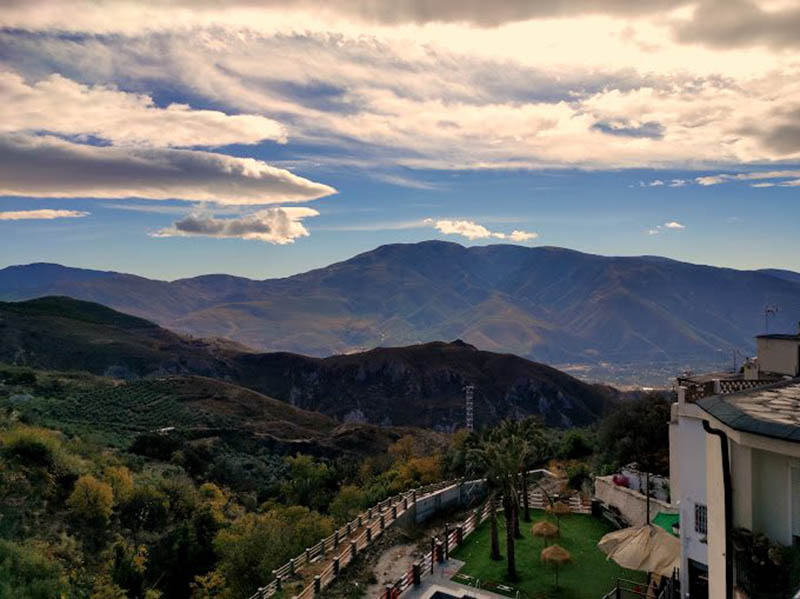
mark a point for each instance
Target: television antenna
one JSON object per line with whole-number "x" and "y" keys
{"x": 769, "y": 310}
{"x": 469, "y": 391}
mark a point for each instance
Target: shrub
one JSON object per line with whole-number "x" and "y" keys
{"x": 91, "y": 500}
{"x": 27, "y": 574}
{"x": 33, "y": 445}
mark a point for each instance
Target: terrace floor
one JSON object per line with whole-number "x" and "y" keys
{"x": 589, "y": 576}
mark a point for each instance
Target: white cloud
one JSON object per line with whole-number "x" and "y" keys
{"x": 447, "y": 95}
{"x": 472, "y": 230}
{"x": 764, "y": 176}
{"x": 277, "y": 225}
{"x": 44, "y": 214}
{"x": 655, "y": 231}
{"x": 44, "y": 166}
{"x": 674, "y": 225}
{"x": 61, "y": 106}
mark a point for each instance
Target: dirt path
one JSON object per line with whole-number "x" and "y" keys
{"x": 391, "y": 565}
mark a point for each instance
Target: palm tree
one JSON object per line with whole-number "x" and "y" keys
{"x": 483, "y": 460}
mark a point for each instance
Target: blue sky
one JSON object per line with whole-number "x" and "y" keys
{"x": 171, "y": 140}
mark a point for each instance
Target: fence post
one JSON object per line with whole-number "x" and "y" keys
{"x": 278, "y": 582}
{"x": 433, "y": 552}
{"x": 416, "y": 574}
{"x": 394, "y": 512}
{"x": 322, "y": 547}
{"x": 369, "y": 535}
{"x": 317, "y": 585}
{"x": 349, "y": 530}
{"x": 446, "y": 540}
{"x": 383, "y": 522}
{"x": 336, "y": 566}
{"x": 405, "y": 502}
{"x": 308, "y": 555}
{"x": 369, "y": 514}
{"x": 335, "y": 539}
{"x": 353, "y": 550}
{"x": 459, "y": 535}
{"x": 360, "y": 521}
{"x": 291, "y": 566}
{"x": 388, "y": 594}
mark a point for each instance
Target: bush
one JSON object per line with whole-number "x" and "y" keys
{"x": 33, "y": 445}
{"x": 27, "y": 574}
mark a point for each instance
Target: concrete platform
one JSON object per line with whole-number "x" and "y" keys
{"x": 439, "y": 582}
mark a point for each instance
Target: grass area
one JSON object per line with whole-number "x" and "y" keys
{"x": 589, "y": 576}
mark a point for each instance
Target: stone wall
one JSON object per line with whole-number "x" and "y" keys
{"x": 631, "y": 504}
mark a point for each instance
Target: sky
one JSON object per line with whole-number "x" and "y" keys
{"x": 265, "y": 138}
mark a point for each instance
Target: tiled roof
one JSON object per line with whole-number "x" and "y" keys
{"x": 772, "y": 411}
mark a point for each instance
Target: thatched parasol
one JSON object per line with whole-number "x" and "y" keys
{"x": 559, "y": 509}
{"x": 556, "y": 556}
{"x": 647, "y": 548}
{"x": 544, "y": 529}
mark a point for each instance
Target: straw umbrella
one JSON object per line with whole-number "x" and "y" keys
{"x": 556, "y": 556}
{"x": 559, "y": 509}
{"x": 544, "y": 529}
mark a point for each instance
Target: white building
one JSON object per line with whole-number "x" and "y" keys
{"x": 735, "y": 464}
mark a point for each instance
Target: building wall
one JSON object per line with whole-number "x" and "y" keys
{"x": 772, "y": 506}
{"x": 779, "y": 356}
{"x": 689, "y": 447}
{"x": 716, "y": 538}
{"x": 742, "y": 485}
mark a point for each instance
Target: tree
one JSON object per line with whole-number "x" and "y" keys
{"x": 347, "y": 504}
{"x": 255, "y": 544}
{"x": 92, "y": 500}
{"x": 121, "y": 481}
{"x": 306, "y": 483}
{"x": 638, "y": 431}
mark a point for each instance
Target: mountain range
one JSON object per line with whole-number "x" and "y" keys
{"x": 419, "y": 386}
{"x": 549, "y": 304}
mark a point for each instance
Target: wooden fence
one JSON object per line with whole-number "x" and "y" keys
{"x": 346, "y": 542}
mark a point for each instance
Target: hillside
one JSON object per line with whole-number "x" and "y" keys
{"x": 549, "y": 304}
{"x": 61, "y": 333}
{"x": 420, "y": 385}
{"x": 423, "y": 385}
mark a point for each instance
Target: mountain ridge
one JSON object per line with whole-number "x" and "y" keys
{"x": 545, "y": 303}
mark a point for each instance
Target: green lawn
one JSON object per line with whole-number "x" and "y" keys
{"x": 590, "y": 576}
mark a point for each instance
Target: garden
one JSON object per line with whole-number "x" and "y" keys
{"x": 587, "y": 574}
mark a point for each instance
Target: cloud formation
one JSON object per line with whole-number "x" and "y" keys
{"x": 43, "y": 214}
{"x": 59, "y": 105}
{"x": 669, "y": 225}
{"x": 277, "y": 225}
{"x": 45, "y": 166}
{"x": 472, "y": 230}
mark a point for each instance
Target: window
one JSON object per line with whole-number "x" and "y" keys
{"x": 700, "y": 518}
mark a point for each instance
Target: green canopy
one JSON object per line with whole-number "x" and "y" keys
{"x": 666, "y": 521}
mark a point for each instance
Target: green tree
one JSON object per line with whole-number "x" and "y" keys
{"x": 306, "y": 483}
{"x": 255, "y": 544}
{"x": 637, "y": 431}
{"x": 347, "y": 504}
